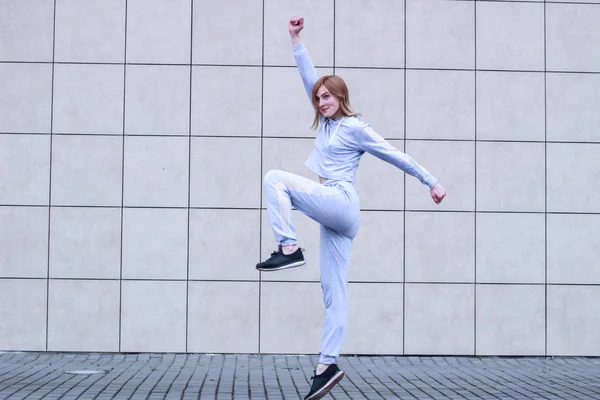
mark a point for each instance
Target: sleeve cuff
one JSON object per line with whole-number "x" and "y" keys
{"x": 299, "y": 48}
{"x": 432, "y": 182}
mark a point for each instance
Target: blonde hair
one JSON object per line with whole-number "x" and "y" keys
{"x": 336, "y": 86}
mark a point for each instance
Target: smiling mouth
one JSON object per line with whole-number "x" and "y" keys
{"x": 324, "y": 109}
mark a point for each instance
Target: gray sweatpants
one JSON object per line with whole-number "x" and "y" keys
{"x": 335, "y": 206}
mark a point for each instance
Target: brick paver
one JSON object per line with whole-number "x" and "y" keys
{"x": 25, "y": 375}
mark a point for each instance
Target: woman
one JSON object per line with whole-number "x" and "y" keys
{"x": 341, "y": 140}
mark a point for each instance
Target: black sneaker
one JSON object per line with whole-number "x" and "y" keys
{"x": 323, "y": 383}
{"x": 280, "y": 261}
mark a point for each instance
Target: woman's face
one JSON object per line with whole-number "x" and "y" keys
{"x": 329, "y": 104}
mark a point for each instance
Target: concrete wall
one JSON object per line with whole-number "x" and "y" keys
{"x": 135, "y": 135}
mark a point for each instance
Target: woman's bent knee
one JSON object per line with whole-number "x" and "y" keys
{"x": 271, "y": 177}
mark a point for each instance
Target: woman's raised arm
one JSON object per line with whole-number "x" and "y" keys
{"x": 303, "y": 61}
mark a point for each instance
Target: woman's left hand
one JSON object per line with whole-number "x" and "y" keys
{"x": 438, "y": 192}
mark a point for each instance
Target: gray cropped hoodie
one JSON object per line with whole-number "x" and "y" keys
{"x": 341, "y": 142}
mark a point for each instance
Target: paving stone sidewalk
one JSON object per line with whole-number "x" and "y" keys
{"x": 25, "y": 375}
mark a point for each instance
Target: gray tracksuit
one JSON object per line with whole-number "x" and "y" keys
{"x": 339, "y": 145}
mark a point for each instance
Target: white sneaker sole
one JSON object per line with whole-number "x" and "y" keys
{"x": 291, "y": 265}
{"x": 325, "y": 389}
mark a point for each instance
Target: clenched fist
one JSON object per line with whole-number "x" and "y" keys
{"x": 296, "y": 25}
{"x": 438, "y": 192}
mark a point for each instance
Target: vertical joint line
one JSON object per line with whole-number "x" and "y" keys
{"x": 260, "y": 213}
{"x": 50, "y": 176}
{"x": 334, "y": 37}
{"x": 545, "y": 195}
{"x": 475, "y": 175}
{"x": 122, "y": 180}
{"x": 187, "y": 284}
{"x": 404, "y": 206}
